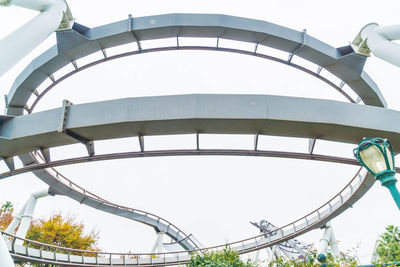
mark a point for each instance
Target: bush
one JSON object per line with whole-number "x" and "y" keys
{"x": 388, "y": 248}
{"x": 224, "y": 258}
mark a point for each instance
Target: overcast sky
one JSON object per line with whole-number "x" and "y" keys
{"x": 212, "y": 197}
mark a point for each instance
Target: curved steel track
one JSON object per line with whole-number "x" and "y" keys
{"x": 44, "y": 253}
{"x": 82, "y": 41}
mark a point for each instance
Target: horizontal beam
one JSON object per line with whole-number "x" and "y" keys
{"x": 208, "y": 114}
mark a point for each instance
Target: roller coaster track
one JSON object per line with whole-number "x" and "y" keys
{"x": 44, "y": 253}
{"x": 82, "y": 41}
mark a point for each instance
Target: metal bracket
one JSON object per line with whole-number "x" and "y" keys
{"x": 256, "y": 142}
{"x": 27, "y": 109}
{"x": 64, "y": 115}
{"x": 62, "y": 129}
{"x": 36, "y": 93}
{"x": 133, "y": 33}
{"x": 104, "y": 53}
{"x": 46, "y": 154}
{"x": 10, "y": 163}
{"x": 319, "y": 70}
{"x": 303, "y": 41}
{"x": 51, "y": 77}
{"x": 360, "y": 46}
{"x": 67, "y": 21}
{"x": 6, "y": 101}
{"x": 52, "y": 192}
{"x": 311, "y": 145}
{"x": 74, "y": 64}
{"x": 198, "y": 141}
{"x": 255, "y": 48}
{"x": 88, "y": 143}
{"x": 141, "y": 142}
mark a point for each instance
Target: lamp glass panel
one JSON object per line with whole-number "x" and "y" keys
{"x": 374, "y": 159}
{"x": 390, "y": 158}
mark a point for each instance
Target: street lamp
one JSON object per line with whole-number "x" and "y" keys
{"x": 376, "y": 154}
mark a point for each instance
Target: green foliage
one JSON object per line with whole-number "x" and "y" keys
{"x": 230, "y": 258}
{"x": 62, "y": 231}
{"x": 6, "y": 214}
{"x": 311, "y": 260}
{"x": 388, "y": 247}
{"x": 6, "y": 207}
{"x": 224, "y": 258}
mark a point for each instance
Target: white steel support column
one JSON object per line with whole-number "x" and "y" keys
{"x": 5, "y": 257}
{"x": 328, "y": 239}
{"x": 158, "y": 245}
{"x": 378, "y": 41}
{"x": 18, "y": 44}
{"x": 270, "y": 255}
{"x": 15, "y": 222}
{"x": 26, "y": 218}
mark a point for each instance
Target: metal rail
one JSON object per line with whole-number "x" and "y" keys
{"x": 183, "y": 152}
{"x": 348, "y": 70}
{"x": 45, "y": 253}
{"x": 316, "y": 74}
{"x": 180, "y": 236}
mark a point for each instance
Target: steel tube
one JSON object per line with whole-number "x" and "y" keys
{"x": 21, "y": 42}
{"x": 27, "y": 215}
{"x": 5, "y": 257}
{"x": 38, "y": 5}
{"x": 379, "y": 42}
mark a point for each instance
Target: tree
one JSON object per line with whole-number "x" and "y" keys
{"x": 6, "y": 214}
{"x": 6, "y": 207}
{"x": 57, "y": 230}
{"x": 224, "y": 258}
{"x": 63, "y": 232}
{"x": 388, "y": 247}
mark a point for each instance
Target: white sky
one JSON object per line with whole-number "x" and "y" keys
{"x": 212, "y": 197}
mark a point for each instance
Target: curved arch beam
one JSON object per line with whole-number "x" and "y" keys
{"x": 82, "y": 41}
{"x": 316, "y": 74}
{"x": 184, "y": 114}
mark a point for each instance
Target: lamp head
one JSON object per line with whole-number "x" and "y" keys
{"x": 375, "y": 154}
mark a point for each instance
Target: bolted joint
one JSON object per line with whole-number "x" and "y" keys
{"x": 359, "y": 43}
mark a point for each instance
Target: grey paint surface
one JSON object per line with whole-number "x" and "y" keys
{"x": 183, "y": 114}
{"x": 82, "y": 41}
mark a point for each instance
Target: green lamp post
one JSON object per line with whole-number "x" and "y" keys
{"x": 376, "y": 154}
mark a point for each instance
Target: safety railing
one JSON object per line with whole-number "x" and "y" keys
{"x": 37, "y": 251}
{"x": 75, "y": 187}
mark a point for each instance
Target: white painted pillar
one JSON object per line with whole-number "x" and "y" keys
{"x": 5, "y": 257}
{"x": 15, "y": 222}
{"x": 328, "y": 239}
{"x": 378, "y": 41}
{"x": 26, "y": 218}
{"x": 270, "y": 255}
{"x": 334, "y": 245}
{"x": 257, "y": 255}
{"x": 18, "y": 44}
{"x": 158, "y": 245}
{"x": 324, "y": 241}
